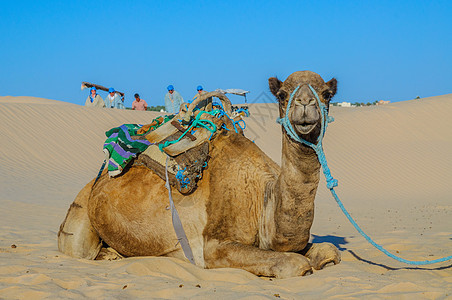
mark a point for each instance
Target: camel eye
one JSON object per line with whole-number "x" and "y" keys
{"x": 327, "y": 96}
{"x": 281, "y": 95}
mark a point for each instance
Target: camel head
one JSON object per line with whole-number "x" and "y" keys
{"x": 304, "y": 111}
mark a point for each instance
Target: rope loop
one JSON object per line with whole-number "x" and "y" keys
{"x": 183, "y": 180}
{"x": 207, "y": 124}
{"x": 238, "y": 124}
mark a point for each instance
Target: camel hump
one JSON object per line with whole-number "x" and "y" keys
{"x": 185, "y": 142}
{"x": 189, "y": 154}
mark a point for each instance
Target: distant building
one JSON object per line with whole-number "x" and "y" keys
{"x": 344, "y": 104}
{"x": 381, "y": 102}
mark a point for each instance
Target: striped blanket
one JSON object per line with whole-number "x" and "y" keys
{"x": 120, "y": 148}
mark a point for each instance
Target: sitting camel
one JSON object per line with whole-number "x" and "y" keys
{"x": 247, "y": 212}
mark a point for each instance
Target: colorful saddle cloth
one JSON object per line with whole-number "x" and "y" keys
{"x": 187, "y": 147}
{"x": 120, "y": 148}
{"x": 125, "y": 142}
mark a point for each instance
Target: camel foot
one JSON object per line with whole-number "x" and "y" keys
{"x": 108, "y": 254}
{"x": 322, "y": 255}
{"x": 291, "y": 265}
{"x": 308, "y": 272}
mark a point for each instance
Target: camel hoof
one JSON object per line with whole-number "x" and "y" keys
{"x": 291, "y": 265}
{"x": 108, "y": 254}
{"x": 327, "y": 264}
{"x": 321, "y": 255}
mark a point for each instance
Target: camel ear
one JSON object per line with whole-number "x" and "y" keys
{"x": 332, "y": 84}
{"x": 274, "y": 84}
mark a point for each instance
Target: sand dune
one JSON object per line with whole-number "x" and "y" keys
{"x": 393, "y": 164}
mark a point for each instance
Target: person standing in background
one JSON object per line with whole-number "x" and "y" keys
{"x": 139, "y": 104}
{"x": 94, "y": 100}
{"x": 205, "y": 104}
{"x": 114, "y": 100}
{"x": 200, "y": 90}
{"x": 173, "y": 100}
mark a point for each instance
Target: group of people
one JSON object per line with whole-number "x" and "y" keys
{"x": 113, "y": 100}
{"x": 173, "y": 100}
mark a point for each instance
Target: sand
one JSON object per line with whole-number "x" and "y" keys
{"x": 392, "y": 161}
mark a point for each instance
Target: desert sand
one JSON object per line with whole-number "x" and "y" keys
{"x": 392, "y": 161}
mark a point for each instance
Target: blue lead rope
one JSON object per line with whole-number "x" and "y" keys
{"x": 331, "y": 182}
{"x": 379, "y": 247}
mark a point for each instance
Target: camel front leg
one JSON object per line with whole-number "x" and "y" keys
{"x": 228, "y": 254}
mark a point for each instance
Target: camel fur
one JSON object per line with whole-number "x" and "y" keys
{"x": 247, "y": 212}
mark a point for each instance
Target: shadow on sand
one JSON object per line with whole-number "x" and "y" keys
{"x": 426, "y": 267}
{"x": 337, "y": 241}
{"x": 340, "y": 243}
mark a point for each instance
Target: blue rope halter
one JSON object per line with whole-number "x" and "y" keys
{"x": 325, "y": 119}
{"x": 331, "y": 183}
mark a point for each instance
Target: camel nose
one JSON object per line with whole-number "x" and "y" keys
{"x": 305, "y": 101}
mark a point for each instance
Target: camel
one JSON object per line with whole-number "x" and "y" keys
{"x": 247, "y": 212}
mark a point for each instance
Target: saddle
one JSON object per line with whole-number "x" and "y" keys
{"x": 186, "y": 142}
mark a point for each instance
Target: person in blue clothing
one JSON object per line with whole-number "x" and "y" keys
{"x": 173, "y": 100}
{"x": 94, "y": 100}
{"x": 113, "y": 100}
{"x": 205, "y": 104}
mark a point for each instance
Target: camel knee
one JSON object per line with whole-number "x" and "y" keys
{"x": 77, "y": 237}
{"x": 214, "y": 256}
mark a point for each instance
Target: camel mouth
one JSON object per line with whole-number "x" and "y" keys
{"x": 305, "y": 128}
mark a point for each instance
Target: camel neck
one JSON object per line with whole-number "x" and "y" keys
{"x": 298, "y": 160}
{"x": 299, "y": 176}
{"x": 293, "y": 195}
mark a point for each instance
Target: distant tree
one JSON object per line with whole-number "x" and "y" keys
{"x": 156, "y": 108}
{"x": 417, "y": 97}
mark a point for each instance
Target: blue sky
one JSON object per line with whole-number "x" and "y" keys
{"x": 390, "y": 50}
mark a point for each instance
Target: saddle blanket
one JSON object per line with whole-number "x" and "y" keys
{"x": 120, "y": 148}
